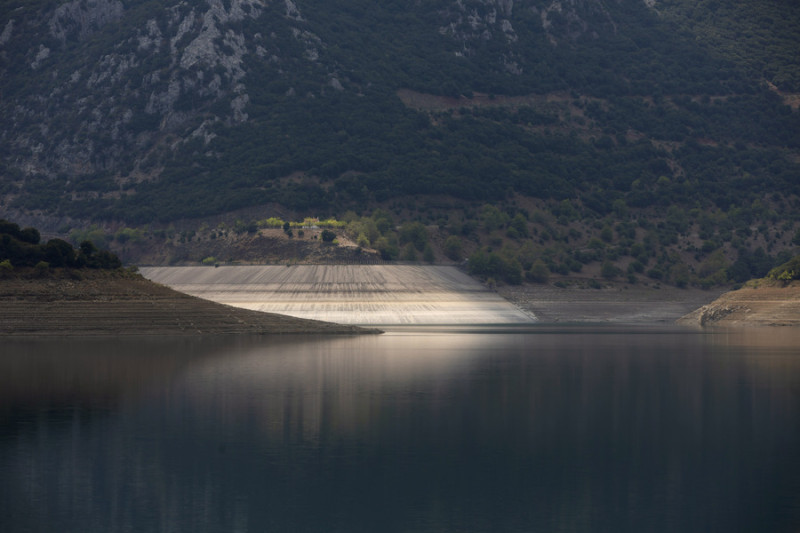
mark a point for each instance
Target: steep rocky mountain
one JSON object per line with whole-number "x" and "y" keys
{"x": 141, "y": 112}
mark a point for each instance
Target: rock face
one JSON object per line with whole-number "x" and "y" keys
{"x": 763, "y": 305}
{"x": 150, "y": 73}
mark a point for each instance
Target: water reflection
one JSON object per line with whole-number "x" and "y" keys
{"x": 567, "y": 430}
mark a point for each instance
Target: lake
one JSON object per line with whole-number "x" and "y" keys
{"x": 417, "y": 430}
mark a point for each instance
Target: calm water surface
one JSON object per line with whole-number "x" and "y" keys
{"x": 422, "y": 431}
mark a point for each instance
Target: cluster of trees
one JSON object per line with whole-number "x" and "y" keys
{"x": 680, "y": 247}
{"x": 22, "y": 247}
{"x": 761, "y": 36}
{"x": 409, "y": 241}
{"x": 788, "y": 271}
{"x": 507, "y": 243}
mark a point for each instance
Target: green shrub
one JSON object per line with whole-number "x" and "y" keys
{"x": 453, "y": 248}
{"x": 409, "y": 253}
{"x": 41, "y": 268}
{"x": 539, "y": 273}
{"x": 788, "y": 271}
{"x": 609, "y": 271}
{"x": 427, "y": 254}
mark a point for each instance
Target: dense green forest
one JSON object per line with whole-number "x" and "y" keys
{"x": 670, "y": 124}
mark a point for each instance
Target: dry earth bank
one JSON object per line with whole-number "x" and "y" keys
{"x": 101, "y": 303}
{"x": 761, "y": 303}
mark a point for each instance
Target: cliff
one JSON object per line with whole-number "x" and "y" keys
{"x": 761, "y": 303}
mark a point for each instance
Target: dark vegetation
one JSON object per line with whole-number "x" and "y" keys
{"x": 644, "y": 145}
{"x": 23, "y": 248}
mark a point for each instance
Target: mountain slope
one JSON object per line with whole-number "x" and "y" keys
{"x": 136, "y": 111}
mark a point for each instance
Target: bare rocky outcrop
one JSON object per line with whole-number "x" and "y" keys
{"x": 759, "y": 304}
{"x": 83, "y": 18}
{"x": 179, "y": 67}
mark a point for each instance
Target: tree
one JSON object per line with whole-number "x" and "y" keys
{"x": 41, "y": 268}
{"x": 387, "y": 248}
{"x": 9, "y": 228}
{"x": 427, "y": 254}
{"x": 493, "y": 265}
{"x": 493, "y": 218}
{"x": 679, "y": 273}
{"x": 59, "y": 253}
{"x": 609, "y": 271}
{"x": 327, "y": 235}
{"x": 539, "y": 273}
{"x": 453, "y": 248}
{"x": 414, "y": 232}
{"x": 787, "y": 271}
{"x": 520, "y": 224}
{"x": 87, "y": 248}
{"x": 30, "y": 235}
{"x": 409, "y": 253}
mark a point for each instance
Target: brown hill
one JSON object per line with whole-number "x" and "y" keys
{"x": 116, "y": 303}
{"x": 760, "y": 303}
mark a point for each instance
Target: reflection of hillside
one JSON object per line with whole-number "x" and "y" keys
{"x": 311, "y": 435}
{"x": 102, "y": 372}
{"x": 84, "y": 372}
{"x": 339, "y": 386}
{"x": 349, "y": 387}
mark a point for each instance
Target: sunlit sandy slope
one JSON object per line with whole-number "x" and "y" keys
{"x": 348, "y": 294}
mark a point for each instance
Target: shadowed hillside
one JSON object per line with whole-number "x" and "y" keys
{"x": 673, "y": 124}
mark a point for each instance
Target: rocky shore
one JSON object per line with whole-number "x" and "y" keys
{"x": 92, "y": 303}
{"x": 761, "y": 303}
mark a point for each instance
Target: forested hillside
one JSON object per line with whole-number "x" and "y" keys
{"x": 674, "y": 124}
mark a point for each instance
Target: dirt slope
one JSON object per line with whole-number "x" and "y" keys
{"x": 760, "y": 304}
{"x": 108, "y": 304}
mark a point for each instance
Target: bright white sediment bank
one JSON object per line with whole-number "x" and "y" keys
{"x": 348, "y": 294}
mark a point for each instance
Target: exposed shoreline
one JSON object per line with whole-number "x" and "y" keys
{"x": 92, "y": 303}
{"x": 121, "y": 304}
{"x": 760, "y": 304}
{"x": 613, "y": 304}
{"x": 364, "y": 295}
